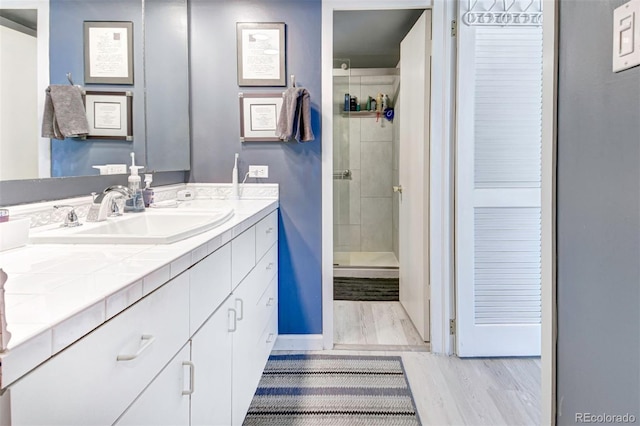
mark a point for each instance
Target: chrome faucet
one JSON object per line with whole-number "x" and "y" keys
{"x": 106, "y": 204}
{"x": 71, "y": 218}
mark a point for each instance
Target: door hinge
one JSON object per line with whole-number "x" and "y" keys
{"x": 454, "y": 28}
{"x": 452, "y": 326}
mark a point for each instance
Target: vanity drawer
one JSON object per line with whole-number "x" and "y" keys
{"x": 96, "y": 379}
{"x": 243, "y": 255}
{"x": 263, "y": 273}
{"x": 266, "y": 305}
{"x": 265, "y": 342}
{"x": 210, "y": 285}
{"x": 266, "y": 233}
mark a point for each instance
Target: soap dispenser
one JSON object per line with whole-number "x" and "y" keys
{"x": 136, "y": 202}
{"x": 147, "y": 193}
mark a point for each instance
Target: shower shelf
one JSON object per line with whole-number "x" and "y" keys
{"x": 359, "y": 113}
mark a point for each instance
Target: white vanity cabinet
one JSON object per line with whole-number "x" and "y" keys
{"x": 191, "y": 352}
{"x": 255, "y": 301}
{"x": 94, "y": 380}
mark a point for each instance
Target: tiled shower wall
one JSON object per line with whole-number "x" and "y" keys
{"x": 364, "y": 206}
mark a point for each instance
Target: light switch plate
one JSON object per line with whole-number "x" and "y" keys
{"x": 626, "y": 36}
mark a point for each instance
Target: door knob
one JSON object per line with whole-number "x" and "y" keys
{"x": 397, "y": 189}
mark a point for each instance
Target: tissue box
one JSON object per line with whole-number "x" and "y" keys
{"x": 14, "y": 233}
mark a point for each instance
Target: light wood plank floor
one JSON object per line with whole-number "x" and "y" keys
{"x": 373, "y": 323}
{"x": 478, "y": 391}
{"x": 447, "y": 390}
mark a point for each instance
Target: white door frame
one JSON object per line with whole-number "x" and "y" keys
{"x": 441, "y": 174}
{"x": 548, "y": 241}
{"x": 442, "y": 185}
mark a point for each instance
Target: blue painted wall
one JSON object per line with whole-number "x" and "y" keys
{"x": 296, "y": 167}
{"x": 74, "y": 157}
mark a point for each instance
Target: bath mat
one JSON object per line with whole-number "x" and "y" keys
{"x": 336, "y": 390}
{"x": 366, "y": 289}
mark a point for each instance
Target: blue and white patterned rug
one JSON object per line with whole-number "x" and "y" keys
{"x": 336, "y": 390}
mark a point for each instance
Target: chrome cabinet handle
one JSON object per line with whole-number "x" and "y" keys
{"x": 269, "y": 266}
{"x": 270, "y": 337}
{"x": 192, "y": 377}
{"x": 235, "y": 320}
{"x": 270, "y": 301}
{"x": 240, "y": 309}
{"x": 147, "y": 340}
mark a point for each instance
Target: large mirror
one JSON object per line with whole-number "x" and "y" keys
{"x": 44, "y": 39}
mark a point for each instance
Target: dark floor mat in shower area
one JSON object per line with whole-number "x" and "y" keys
{"x": 366, "y": 289}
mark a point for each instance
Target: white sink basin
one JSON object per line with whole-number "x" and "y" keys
{"x": 150, "y": 227}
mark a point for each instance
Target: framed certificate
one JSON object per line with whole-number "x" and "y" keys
{"x": 261, "y": 54}
{"x": 108, "y": 52}
{"x": 259, "y": 114}
{"x": 109, "y": 115}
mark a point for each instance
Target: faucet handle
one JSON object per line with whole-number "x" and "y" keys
{"x": 71, "y": 219}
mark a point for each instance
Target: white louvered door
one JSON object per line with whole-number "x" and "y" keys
{"x": 498, "y": 191}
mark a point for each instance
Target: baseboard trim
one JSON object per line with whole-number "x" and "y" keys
{"x": 299, "y": 342}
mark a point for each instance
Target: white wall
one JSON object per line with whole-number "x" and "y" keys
{"x": 18, "y": 106}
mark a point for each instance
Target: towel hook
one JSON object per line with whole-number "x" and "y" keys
{"x": 293, "y": 80}
{"x": 70, "y": 79}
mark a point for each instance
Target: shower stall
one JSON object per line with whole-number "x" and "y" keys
{"x": 365, "y": 164}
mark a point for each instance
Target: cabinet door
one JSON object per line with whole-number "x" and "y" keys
{"x": 245, "y": 381}
{"x": 210, "y": 285}
{"x": 211, "y": 355}
{"x": 166, "y": 400}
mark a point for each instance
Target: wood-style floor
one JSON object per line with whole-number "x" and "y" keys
{"x": 447, "y": 390}
{"x": 377, "y": 324}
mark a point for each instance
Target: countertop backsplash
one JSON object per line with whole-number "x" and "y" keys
{"x": 43, "y": 213}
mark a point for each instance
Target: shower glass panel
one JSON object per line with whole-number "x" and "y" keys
{"x": 363, "y": 171}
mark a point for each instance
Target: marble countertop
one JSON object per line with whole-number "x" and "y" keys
{"x": 57, "y": 293}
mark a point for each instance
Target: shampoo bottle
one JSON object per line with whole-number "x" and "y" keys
{"x": 136, "y": 202}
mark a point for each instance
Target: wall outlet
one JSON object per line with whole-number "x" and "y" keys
{"x": 116, "y": 169}
{"x": 259, "y": 171}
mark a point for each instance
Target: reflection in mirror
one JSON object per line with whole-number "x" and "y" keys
{"x": 24, "y": 74}
{"x": 161, "y": 118}
{"x": 76, "y": 157}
